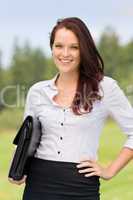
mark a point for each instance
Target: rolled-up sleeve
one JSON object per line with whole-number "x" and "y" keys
{"x": 119, "y": 108}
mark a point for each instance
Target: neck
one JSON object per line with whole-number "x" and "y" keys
{"x": 67, "y": 81}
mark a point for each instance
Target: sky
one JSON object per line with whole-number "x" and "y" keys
{"x": 33, "y": 20}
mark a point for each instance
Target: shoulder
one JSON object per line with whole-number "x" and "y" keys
{"x": 107, "y": 81}
{"x": 107, "y": 84}
{"x": 38, "y": 88}
{"x": 39, "y": 85}
{"x": 109, "y": 88}
{"x": 112, "y": 92}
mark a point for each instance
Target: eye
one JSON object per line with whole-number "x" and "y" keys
{"x": 75, "y": 47}
{"x": 58, "y": 45}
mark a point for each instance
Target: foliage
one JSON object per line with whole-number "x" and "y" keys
{"x": 28, "y": 65}
{"x": 117, "y": 58}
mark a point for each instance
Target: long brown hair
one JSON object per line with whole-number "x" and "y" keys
{"x": 91, "y": 69}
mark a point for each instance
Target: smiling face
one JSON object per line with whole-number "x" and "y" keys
{"x": 66, "y": 51}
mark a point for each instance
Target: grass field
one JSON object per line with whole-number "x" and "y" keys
{"x": 119, "y": 188}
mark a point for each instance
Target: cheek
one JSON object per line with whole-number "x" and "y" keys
{"x": 54, "y": 55}
{"x": 56, "y": 61}
{"x": 55, "y": 52}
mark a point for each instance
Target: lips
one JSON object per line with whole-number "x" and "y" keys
{"x": 65, "y": 61}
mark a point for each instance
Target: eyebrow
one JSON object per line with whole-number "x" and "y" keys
{"x": 71, "y": 44}
{"x": 75, "y": 44}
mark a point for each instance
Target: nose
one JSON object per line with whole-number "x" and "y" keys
{"x": 65, "y": 52}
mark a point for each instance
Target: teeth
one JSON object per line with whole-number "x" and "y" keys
{"x": 65, "y": 61}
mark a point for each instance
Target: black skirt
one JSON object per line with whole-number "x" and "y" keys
{"x": 58, "y": 180}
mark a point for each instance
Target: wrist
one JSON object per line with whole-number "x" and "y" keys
{"x": 110, "y": 172}
{"x": 107, "y": 173}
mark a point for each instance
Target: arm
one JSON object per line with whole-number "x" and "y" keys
{"x": 94, "y": 169}
{"x": 118, "y": 106}
{"x": 125, "y": 155}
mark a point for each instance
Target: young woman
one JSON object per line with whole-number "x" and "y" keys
{"x": 72, "y": 108}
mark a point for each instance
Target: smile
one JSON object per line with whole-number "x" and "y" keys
{"x": 65, "y": 60}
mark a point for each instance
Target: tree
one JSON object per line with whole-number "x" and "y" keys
{"x": 1, "y": 79}
{"x": 28, "y": 65}
{"x": 109, "y": 48}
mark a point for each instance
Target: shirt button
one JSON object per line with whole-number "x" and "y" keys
{"x": 61, "y": 124}
{"x": 61, "y": 138}
{"x": 58, "y": 152}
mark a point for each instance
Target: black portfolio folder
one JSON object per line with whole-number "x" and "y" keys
{"x": 27, "y": 141}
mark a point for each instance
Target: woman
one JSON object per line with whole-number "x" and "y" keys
{"x": 72, "y": 108}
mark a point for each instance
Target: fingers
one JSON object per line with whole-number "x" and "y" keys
{"x": 91, "y": 168}
{"x": 86, "y": 170}
{"x": 11, "y": 180}
{"x": 86, "y": 163}
{"x": 91, "y": 174}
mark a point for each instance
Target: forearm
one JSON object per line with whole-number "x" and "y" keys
{"x": 123, "y": 158}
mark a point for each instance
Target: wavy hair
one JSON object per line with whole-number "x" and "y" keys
{"x": 91, "y": 69}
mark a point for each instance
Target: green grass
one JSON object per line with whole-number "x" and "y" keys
{"x": 8, "y": 191}
{"x": 118, "y": 188}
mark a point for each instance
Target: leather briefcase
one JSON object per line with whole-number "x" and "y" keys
{"x": 27, "y": 141}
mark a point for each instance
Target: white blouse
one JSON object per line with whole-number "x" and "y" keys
{"x": 69, "y": 137}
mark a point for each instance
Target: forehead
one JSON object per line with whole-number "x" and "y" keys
{"x": 65, "y": 35}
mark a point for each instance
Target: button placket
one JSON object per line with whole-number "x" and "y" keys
{"x": 61, "y": 136}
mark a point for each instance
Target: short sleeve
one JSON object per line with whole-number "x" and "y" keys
{"x": 119, "y": 108}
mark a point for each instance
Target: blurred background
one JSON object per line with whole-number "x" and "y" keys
{"x": 25, "y": 58}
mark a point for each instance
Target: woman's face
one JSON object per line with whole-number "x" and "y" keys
{"x": 66, "y": 51}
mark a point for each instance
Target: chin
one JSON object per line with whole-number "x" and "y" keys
{"x": 65, "y": 68}
{"x": 65, "y": 71}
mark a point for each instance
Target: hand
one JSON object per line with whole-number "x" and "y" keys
{"x": 18, "y": 182}
{"x": 94, "y": 169}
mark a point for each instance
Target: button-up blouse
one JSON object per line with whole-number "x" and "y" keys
{"x": 69, "y": 137}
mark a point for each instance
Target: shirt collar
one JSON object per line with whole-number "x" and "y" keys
{"x": 51, "y": 89}
{"x": 51, "y": 83}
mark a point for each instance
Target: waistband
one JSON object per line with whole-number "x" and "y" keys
{"x": 35, "y": 159}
